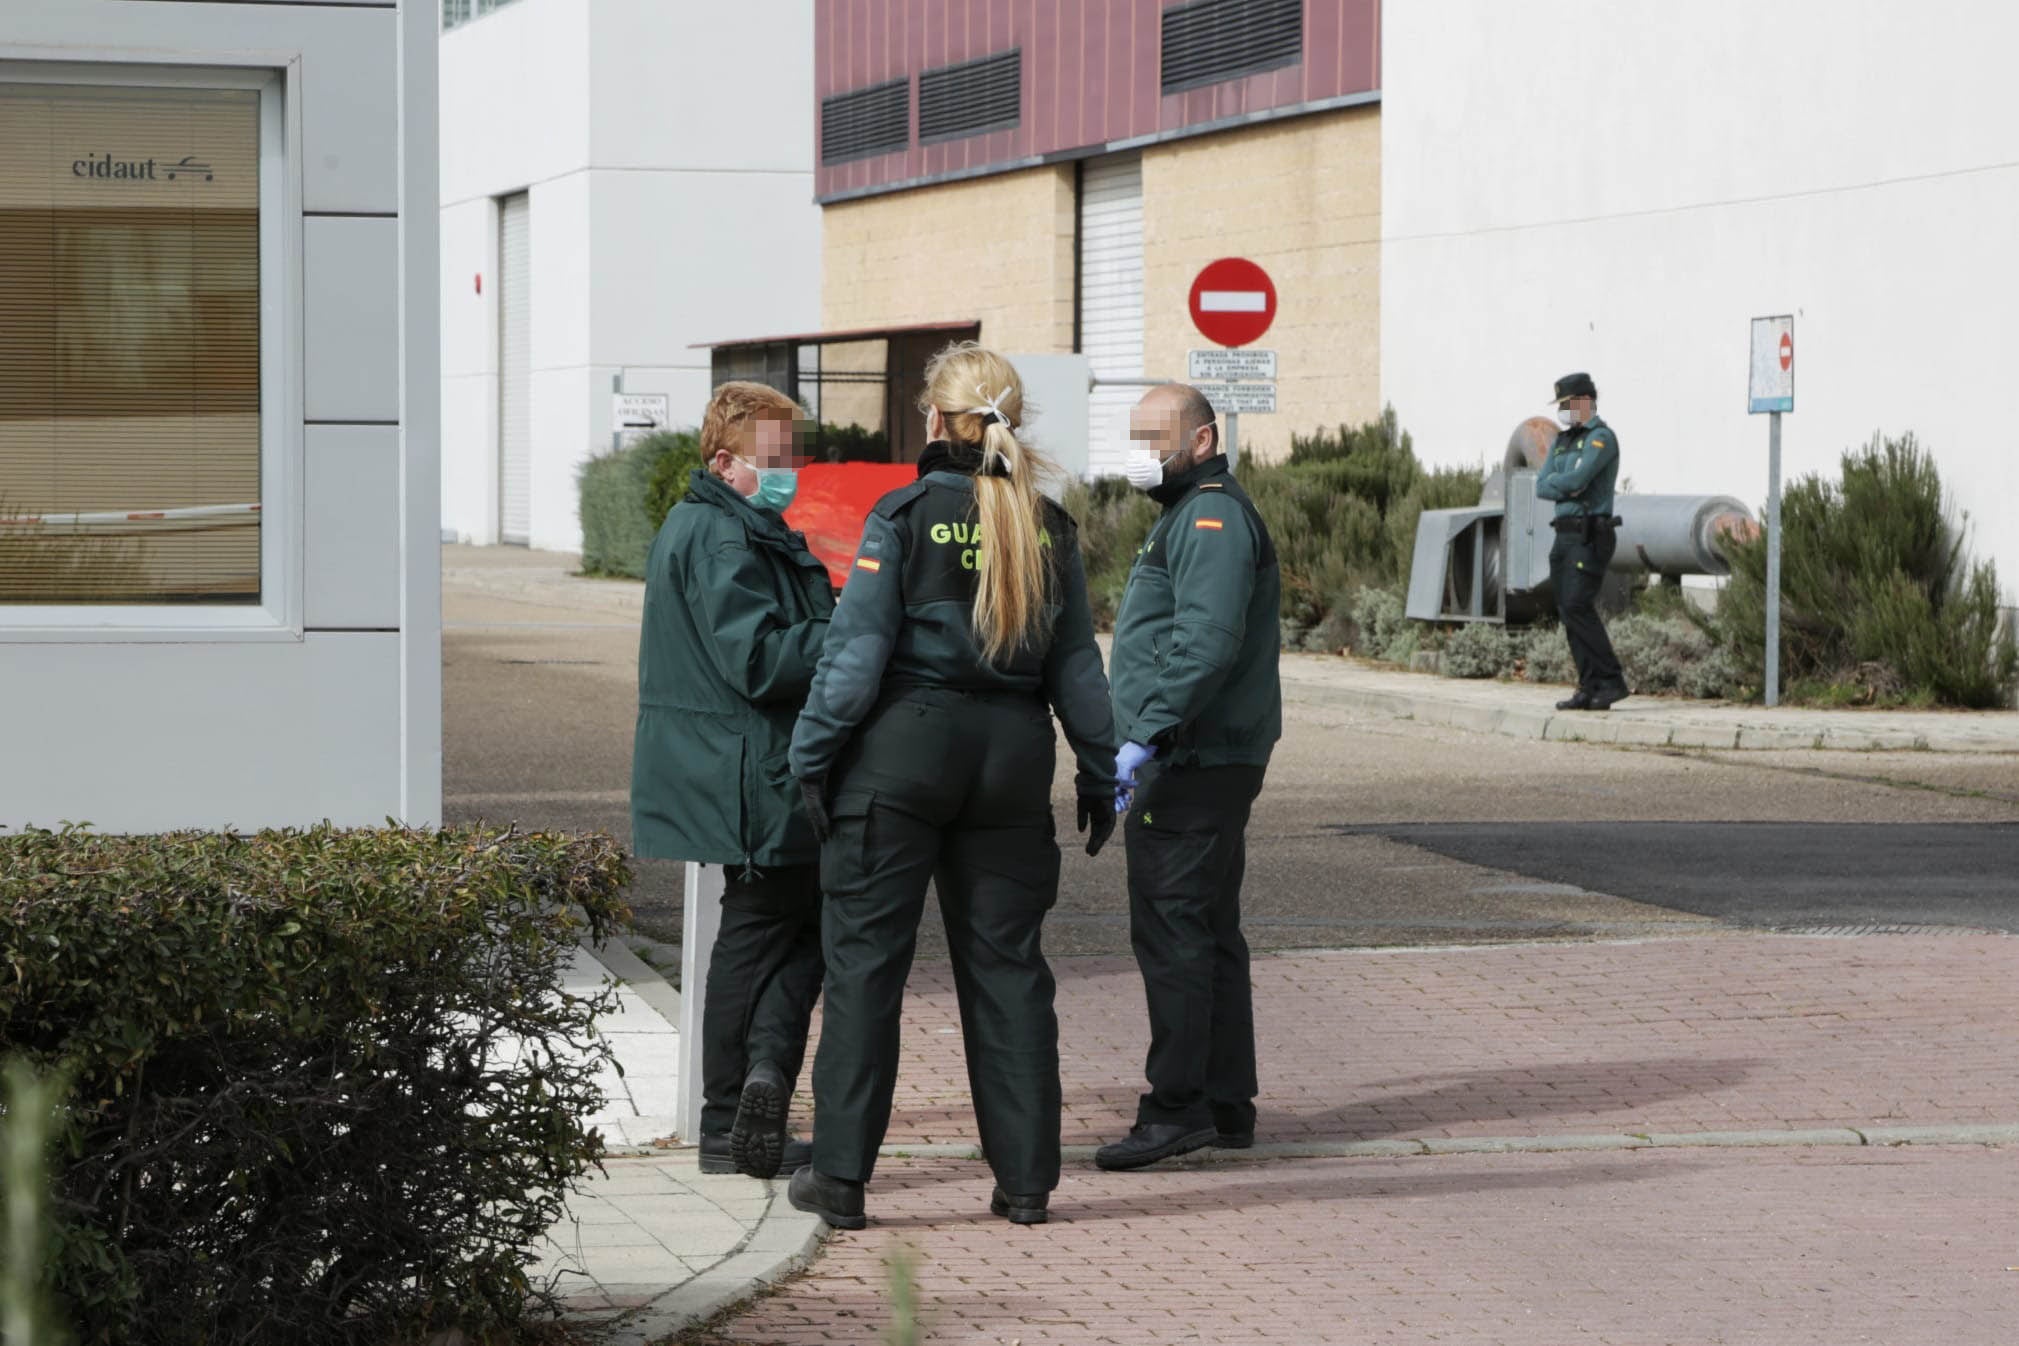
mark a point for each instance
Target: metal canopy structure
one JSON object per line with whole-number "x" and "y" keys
{"x": 866, "y": 377}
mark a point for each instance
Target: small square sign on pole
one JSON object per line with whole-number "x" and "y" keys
{"x": 1772, "y": 386}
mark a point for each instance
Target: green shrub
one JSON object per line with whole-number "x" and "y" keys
{"x": 325, "y": 1086}
{"x": 671, "y": 460}
{"x": 1480, "y": 650}
{"x": 850, "y": 444}
{"x": 1383, "y": 630}
{"x": 625, "y": 495}
{"x": 1114, "y": 520}
{"x": 28, "y": 1105}
{"x": 1671, "y": 653}
{"x": 1876, "y": 589}
{"x": 1545, "y": 655}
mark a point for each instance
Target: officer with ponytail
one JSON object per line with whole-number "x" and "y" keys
{"x": 925, "y": 754}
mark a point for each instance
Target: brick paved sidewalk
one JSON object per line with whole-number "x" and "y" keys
{"x": 1672, "y": 1035}
{"x": 1776, "y": 1246}
{"x": 1763, "y": 1247}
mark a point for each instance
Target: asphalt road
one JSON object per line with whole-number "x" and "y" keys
{"x": 1772, "y": 875}
{"x": 1371, "y": 831}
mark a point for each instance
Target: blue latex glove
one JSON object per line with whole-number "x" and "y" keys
{"x": 1127, "y": 761}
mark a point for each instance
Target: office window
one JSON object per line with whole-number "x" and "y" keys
{"x": 967, "y": 99}
{"x": 130, "y": 345}
{"x": 1210, "y": 41}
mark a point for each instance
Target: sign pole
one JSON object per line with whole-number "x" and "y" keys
{"x": 1233, "y": 445}
{"x": 1771, "y": 389}
{"x": 1774, "y": 559}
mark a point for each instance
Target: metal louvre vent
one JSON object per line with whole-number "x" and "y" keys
{"x": 1208, "y": 41}
{"x": 865, "y": 122}
{"x": 972, "y": 97}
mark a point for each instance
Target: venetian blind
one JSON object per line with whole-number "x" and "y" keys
{"x": 129, "y": 345}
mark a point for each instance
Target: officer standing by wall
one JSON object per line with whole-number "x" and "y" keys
{"x": 736, "y": 611}
{"x": 926, "y": 755}
{"x": 1578, "y": 475}
{"x": 1198, "y": 702}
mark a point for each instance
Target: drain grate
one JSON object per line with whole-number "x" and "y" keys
{"x": 1855, "y": 931}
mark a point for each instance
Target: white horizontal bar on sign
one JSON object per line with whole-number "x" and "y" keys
{"x": 1233, "y": 301}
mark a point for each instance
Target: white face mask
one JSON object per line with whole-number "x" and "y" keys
{"x": 1143, "y": 468}
{"x": 1567, "y": 418}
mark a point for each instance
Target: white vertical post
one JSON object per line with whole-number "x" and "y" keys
{"x": 1773, "y": 688}
{"x": 701, "y": 917}
{"x": 1233, "y": 444}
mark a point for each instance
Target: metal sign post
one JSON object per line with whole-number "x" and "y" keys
{"x": 1772, "y": 390}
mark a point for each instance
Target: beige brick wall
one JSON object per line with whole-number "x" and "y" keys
{"x": 1303, "y": 198}
{"x": 998, "y": 249}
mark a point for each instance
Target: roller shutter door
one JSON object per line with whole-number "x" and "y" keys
{"x": 515, "y": 373}
{"x": 1111, "y": 300}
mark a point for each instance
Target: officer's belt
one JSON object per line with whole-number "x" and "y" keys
{"x": 1586, "y": 523}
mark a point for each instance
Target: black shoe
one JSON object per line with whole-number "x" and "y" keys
{"x": 1577, "y": 700}
{"x": 1234, "y": 1140}
{"x": 1147, "y": 1142}
{"x": 835, "y": 1200}
{"x": 1019, "y": 1209}
{"x": 757, "y": 1138}
{"x": 1609, "y": 698}
{"x": 717, "y": 1156}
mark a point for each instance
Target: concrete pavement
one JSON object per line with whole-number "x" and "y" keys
{"x": 652, "y": 1245}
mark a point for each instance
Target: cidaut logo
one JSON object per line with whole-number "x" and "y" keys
{"x": 109, "y": 167}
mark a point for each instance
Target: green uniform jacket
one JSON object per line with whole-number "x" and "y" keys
{"x": 736, "y": 609}
{"x": 1580, "y": 471}
{"x": 1198, "y": 636}
{"x": 906, "y": 618}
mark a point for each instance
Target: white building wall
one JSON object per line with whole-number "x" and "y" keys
{"x": 1621, "y": 187}
{"x": 334, "y": 711}
{"x": 672, "y": 203}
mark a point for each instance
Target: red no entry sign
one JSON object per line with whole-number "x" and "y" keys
{"x": 1787, "y": 350}
{"x": 1233, "y": 301}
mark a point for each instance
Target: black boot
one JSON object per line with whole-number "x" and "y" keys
{"x": 1577, "y": 700}
{"x": 1150, "y": 1141}
{"x": 1019, "y": 1209}
{"x": 757, "y": 1139}
{"x": 835, "y": 1200}
{"x": 719, "y": 1156}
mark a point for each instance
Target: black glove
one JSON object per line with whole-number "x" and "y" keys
{"x": 813, "y": 793}
{"x": 1097, "y": 811}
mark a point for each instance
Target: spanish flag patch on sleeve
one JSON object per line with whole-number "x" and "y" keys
{"x": 865, "y": 563}
{"x": 1214, "y": 525}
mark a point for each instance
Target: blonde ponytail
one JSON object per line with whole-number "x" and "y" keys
{"x": 1014, "y": 572}
{"x": 1009, "y": 603}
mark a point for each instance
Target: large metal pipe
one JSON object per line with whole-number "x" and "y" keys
{"x": 1491, "y": 562}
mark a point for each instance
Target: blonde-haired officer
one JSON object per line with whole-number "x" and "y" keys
{"x": 925, "y": 753}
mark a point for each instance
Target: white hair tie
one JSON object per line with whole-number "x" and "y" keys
{"x": 991, "y": 406}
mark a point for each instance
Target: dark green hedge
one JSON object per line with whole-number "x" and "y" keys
{"x": 625, "y": 495}
{"x": 323, "y": 1086}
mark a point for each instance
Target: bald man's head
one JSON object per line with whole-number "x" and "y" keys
{"x": 1177, "y": 422}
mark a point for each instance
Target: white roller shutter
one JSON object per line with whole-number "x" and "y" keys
{"x": 1111, "y": 300}
{"x": 515, "y": 373}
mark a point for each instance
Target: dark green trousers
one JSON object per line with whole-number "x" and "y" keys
{"x": 763, "y": 978}
{"x": 1577, "y": 573}
{"x": 1187, "y": 845}
{"x": 954, "y": 790}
